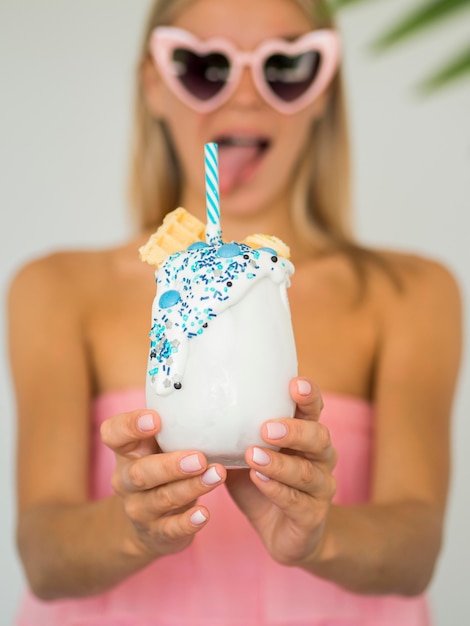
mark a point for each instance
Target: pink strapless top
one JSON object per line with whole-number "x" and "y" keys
{"x": 226, "y": 578}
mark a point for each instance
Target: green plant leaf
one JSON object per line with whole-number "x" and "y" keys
{"x": 419, "y": 19}
{"x": 457, "y": 68}
{"x": 340, "y": 4}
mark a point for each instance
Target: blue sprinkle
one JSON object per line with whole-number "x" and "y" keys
{"x": 270, "y": 250}
{"x": 198, "y": 245}
{"x": 228, "y": 250}
{"x": 169, "y": 299}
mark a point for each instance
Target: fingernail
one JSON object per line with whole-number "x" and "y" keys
{"x": 262, "y": 477}
{"x": 146, "y": 422}
{"x": 197, "y": 518}
{"x": 276, "y": 430}
{"x": 190, "y": 463}
{"x": 304, "y": 387}
{"x": 260, "y": 456}
{"x": 211, "y": 477}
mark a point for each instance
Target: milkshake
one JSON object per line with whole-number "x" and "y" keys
{"x": 222, "y": 350}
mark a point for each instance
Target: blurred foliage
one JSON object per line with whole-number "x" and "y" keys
{"x": 429, "y": 13}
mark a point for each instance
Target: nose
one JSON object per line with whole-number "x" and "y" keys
{"x": 246, "y": 94}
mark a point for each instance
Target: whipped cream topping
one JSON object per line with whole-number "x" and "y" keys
{"x": 194, "y": 287}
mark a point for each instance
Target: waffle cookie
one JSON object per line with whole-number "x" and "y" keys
{"x": 178, "y": 231}
{"x": 268, "y": 241}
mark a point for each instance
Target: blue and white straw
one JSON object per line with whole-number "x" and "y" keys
{"x": 213, "y": 230}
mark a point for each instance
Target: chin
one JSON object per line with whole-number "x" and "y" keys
{"x": 245, "y": 203}
{"x": 238, "y": 212}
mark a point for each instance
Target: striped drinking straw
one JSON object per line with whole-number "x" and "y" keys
{"x": 211, "y": 159}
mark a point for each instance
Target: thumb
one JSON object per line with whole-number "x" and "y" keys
{"x": 307, "y": 397}
{"x": 131, "y": 434}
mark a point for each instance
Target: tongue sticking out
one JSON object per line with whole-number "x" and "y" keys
{"x": 237, "y": 164}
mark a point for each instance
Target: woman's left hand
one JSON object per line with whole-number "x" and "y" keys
{"x": 286, "y": 495}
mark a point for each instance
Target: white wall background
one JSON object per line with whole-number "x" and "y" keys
{"x": 65, "y": 73}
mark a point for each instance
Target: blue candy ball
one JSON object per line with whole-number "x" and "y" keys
{"x": 169, "y": 299}
{"x": 198, "y": 245}
{"x": 229, "y": 250}
{"x": 270, "y": 250}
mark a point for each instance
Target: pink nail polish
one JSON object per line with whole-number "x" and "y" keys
{"x": 211, "y": 477}
{"x": 276, "y": 430}
{"x": 146, "y": 423}
{"x": 262, "y": 477}
{"x": 260, "y": 456}
{"x": 197, "y": 518}
{"x": 304, "y": 387}
{"x": 190, "y": 463}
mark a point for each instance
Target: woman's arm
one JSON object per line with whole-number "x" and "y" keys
{"x": 391, "y": 544}
{"x": 69, "y": 545}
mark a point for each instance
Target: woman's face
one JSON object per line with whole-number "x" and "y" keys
{"x": 259, "y": 147}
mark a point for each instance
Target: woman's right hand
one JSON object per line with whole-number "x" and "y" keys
{"x": 158, "y": 490}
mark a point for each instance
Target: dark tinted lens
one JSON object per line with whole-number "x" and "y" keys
{"x": 290, "y": 76}
{"x": 202, "y": 75}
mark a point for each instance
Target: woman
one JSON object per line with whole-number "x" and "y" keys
{"x": 377, "y": 331}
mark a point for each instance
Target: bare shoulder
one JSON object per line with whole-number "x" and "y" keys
{"x": 57, "y": 271}
{"x": 419, "y": 317}
{"x": 415, "y": 280}
{"x": 72, "y": 277}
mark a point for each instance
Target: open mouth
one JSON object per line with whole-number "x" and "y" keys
{"x": 231, "y": 141}
{"x": 239, "y": 158}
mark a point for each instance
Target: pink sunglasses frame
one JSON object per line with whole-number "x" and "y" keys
{"x": 165, "y": 39}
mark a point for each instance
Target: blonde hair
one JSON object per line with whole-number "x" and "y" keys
{"x": 321, "y": 196}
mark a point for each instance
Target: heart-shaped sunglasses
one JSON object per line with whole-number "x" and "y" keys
{"x": 289, "y": 75}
